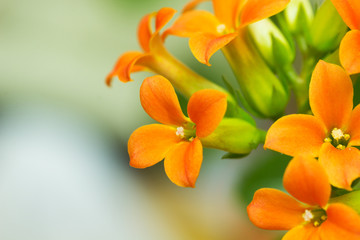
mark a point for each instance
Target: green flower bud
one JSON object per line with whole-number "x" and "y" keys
{"x": 262, "y": 92}
{"x": 299, "y": 15}
{"x": 351, "y": 199}
{"x": 327, "y": 29}
{"x": 234, "y": 135}
{"x": 271, "y": 43}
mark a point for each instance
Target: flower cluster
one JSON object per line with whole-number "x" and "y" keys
{"x": 261, "y": 41}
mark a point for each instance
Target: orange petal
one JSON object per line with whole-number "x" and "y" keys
{"x": 183, "y": 162}
{"x": 204, "y": 45}
{"x": 192, "y": 4}
{"x": 354, "y": 127}
{"x": 331, "y": 95}
{"x": 303, "y": 232}
{"x": 206, "y": 108}
{"x": 255, "y": 10}
{"x": 145, "y": 32}
{"x": 349, "y": 10}
{"x": 350, "y": 52}
{"x": 159, "y": 100}
{"x": 149, "y": 144}
{"x": 296, "y": 134}
{"x": 227, "y": 11}
{"x": 193, "y": 22}
{"x": 342, "y": 166}
{"x": 124, "y": 66}
{"x": 342, "y": 223}
{"x": 306, "y": 180}
{"x": 163, "y": 16}
{"x": 275, "y": 210}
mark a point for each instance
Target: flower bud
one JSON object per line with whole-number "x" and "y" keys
{"x": 271, "y": 43}
{"x": 299, "y": 15}
{"x": 234, "y": 135}
{"x": 327, "y": 29}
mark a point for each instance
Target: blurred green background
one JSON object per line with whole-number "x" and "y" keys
{"x": 64, "y": 170}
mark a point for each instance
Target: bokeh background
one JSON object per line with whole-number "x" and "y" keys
{"x": 64, "y": 171}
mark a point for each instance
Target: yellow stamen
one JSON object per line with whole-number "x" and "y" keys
{"x": 328, "y": 140}
{"x": 340, "y": 147}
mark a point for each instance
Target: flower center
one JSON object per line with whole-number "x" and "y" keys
{"x": 186, "y": 132}
{"x": 338, "y": 138}
{"x": 315, "y": 216}
{"x": 221, "y": 28}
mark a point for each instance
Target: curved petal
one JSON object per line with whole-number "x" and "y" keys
{"x": 303, "y": 232}
{"x": 342, "y": 166}
{"x": 255, "y": 10}
{"x": 144, "y": 31}
{"x": 306, "y": 180}
{"x": 275, "y": 210}
{"x": 149, "y": 144}
{"x": 159, "y": 100}
{"x": 183, "y": 162}
{"x": 206, "y": 108}
{"x": 296, "y": 134}
{"x": 227, "y": 11}
{"x": 349, "y": 11}
{"x": 194, "y": 22}
{"x": 342, "y": 223}
{"x": 350, "y": 51}
{"x": 331, "y": 95}
{"x": 354, "y": 127}
{"x": 192, "y": 4}
{"x": 204, "y": 45}
{"x": 163, "y": 16}
{"x": 125, "y": 65}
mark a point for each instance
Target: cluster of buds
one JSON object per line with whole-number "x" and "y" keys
{"x": 261, "y": 41}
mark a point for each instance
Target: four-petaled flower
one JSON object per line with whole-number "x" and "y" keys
{"x": 306, "y": 180}
{"x": 331, "y": 133}
{"x": 178, "y": 138}
{"x": 349, "y": 10}
{"x": 208, "y": 33}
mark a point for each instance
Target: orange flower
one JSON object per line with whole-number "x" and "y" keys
{"x": 157, "y": 59}
{"x": 208, "y": 33}
{"x": 178, "y": 140}
{"x": 331, "y": 133}
{"x": 349, "y": 10}
{"x": 306, "y": 181}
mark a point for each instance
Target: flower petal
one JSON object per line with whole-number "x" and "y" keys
{"x": 255, "y": 10}
{"x": 159, "y": 100}
{"x": 349, "y": 11}
{"x": 194, "y": 22}
{"x": 331, "y": 95}
{"x": 275, "y": 210}
{"x": 183, "y": 163}
{"x": 145, "y": 32}
{"x": 296, "y": 134}
{"x": 343, "y": 222}
{"x": 206, "y": 108}
{"x": 149, "y": 144}
{"x": 192, "y": 4}
{"x": 227, "y": 11}
{"x": 303, "y": 232}
{"x": 306, "y": 180}
{"x": 125, "y": 65}
{"x": 163, "y": 16}
{"x": 350, "y": 52}
{"x": 204, "y": 45}
{"x": 354, "y": 127}
{"x": 342, "y": 166}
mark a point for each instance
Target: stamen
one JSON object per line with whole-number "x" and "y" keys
{"x": 328, "y": 140}
{"x": 340, "y": 147}
{"x": 221, "y": 28}
{"x": 180, "y": 132}
{"x": 316, "y": 223}
{"x": 308, "y": 216}
{"x": 347, "y": 136}
{"x": 337, "y": 134}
